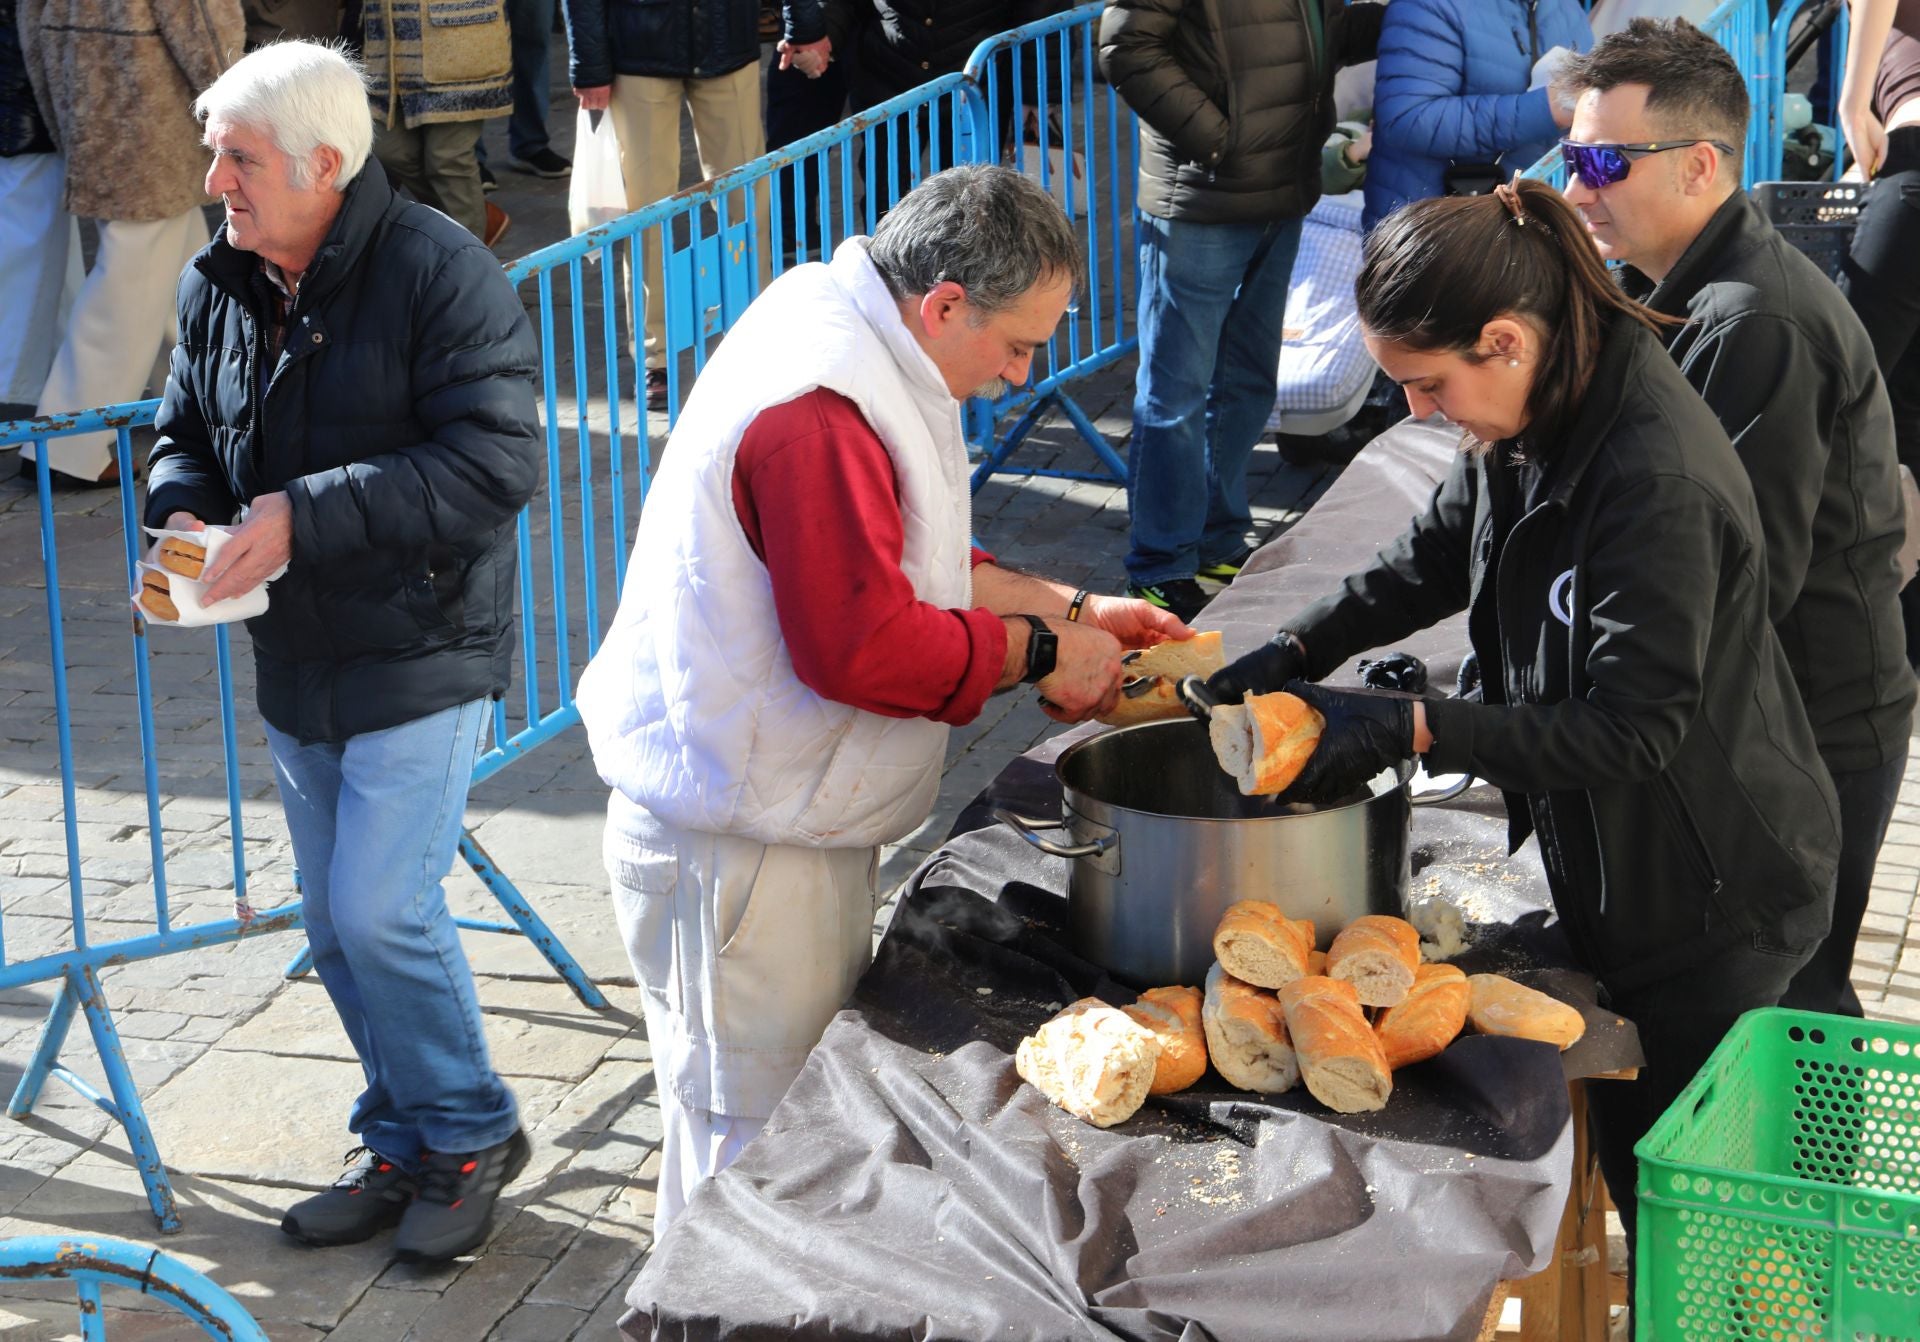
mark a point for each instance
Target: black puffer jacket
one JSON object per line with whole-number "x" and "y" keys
{"x": 400, "y": 423}
{"x": 1639, "y": 711}
{"x": 897, "y": 45}
{"x": 1236, "y": 97}
{"x": 1773, "y": 348}
{"x": 673, "y": 39}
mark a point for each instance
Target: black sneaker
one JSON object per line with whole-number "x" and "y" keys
{"x": 487, "y": 181}
{"x": 1224, "y": 571}
{"x": 372, "y": 1195}
{"x": 656, "y": 389}
{"x": 453, "y": 1211}
{"x": 544, "y": 163}
{"x": 1183, "y": 596}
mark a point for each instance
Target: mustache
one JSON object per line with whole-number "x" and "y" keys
{"x": 993, "y": 389}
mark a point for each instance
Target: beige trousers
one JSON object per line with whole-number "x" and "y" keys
{"x": 727, "y": 131}
{"x": 121, "y": 323}
{"x": 435, "y": 163}
{"x": 743, "y": 953}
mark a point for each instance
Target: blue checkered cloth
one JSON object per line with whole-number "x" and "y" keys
{"x": 1323, "y": 363}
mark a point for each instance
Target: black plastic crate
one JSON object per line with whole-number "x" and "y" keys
{"x": 1817, "y": 218}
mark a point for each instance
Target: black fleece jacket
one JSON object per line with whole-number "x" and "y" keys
{"x": 1641, "y": 716}
{"x": 1774, "y": 349}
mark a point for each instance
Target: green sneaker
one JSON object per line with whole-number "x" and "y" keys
{"x": 1183, "y": 596}
{"x": 1224, "y": 571}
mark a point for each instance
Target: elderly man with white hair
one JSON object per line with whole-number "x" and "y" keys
{"x": 354, "y": 378}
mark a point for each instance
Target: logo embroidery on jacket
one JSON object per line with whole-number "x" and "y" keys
{"x": 1560, "y": 598}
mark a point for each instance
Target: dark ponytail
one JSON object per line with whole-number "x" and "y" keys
{"x": 1437, "y": 271}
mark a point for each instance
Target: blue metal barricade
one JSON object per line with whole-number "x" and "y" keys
{"x": 1039, "y": 104}
{"x": 98, "y": 1261}
{"x": 1769, "y": 99}
{"x": 70, "y": 932}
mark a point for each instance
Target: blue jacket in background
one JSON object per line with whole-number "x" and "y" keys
{"x": 1452, "y": 87}
{"x": 674, "y": 39}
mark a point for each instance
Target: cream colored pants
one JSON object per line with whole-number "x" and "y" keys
{"x": 727, "y": 131}
{"x": 122, "y": 321}
{"x": 743, "y": 953}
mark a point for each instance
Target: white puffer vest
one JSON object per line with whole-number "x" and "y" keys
{"x": 691, "y": 704}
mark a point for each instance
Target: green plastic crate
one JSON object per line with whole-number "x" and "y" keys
{"x": 1780, "y": 1194}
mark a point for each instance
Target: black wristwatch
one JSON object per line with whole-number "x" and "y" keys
{"x": 1043, "y": 649}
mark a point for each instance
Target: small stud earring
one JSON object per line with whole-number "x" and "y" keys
{"x": 1513, "y": 363}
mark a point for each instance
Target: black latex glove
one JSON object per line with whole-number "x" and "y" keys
{"x": 1266, "y": 669}
{"x": 1398, "y": 671}
{"x": 1365, "y": 732}
{"x": 1467, "y": 684}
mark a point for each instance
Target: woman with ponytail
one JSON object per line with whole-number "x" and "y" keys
{"x": 1638, "y": 712}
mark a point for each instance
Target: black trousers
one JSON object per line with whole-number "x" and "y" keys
{"x": 1681, "y": 1020}
{"x": 796, "y": 108}
{"x": 1866, "y": 805}
{"x": 1882, "y": 281}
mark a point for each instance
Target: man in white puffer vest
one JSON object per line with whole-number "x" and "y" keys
{"x": 804, "y": 618}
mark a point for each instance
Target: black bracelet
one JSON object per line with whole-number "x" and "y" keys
{"x": 1073, "y": 606}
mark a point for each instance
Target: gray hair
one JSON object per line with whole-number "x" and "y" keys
{"x": 990, "y": 230}
{"x": 301, "y": 95}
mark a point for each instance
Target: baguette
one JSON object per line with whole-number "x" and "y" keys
{"x": 1172, "y": 1017}
{"x": 1340, "y": 1056}
{"x": 1432, "y": 1016}
{"x": 1265, "y": 742}
{"x": 182, "y": 557}
{"x": 156, "y": 596}
{"x": 1164, "y": 664}
{"x": 1247, "y": 1035}
{"x": 1501, "y": 1006}
{"x": 1316, "y": 962}
{"x": 1092, "y": 1060}
{"x": 1258, "y": 944}
{"x": 1377, "y": 954}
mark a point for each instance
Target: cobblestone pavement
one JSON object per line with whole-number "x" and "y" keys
{"x": 246, "y": 1075}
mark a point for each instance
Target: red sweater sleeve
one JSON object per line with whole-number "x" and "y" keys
{"x": 816, "y": 495}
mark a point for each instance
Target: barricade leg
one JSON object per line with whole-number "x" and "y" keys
{"x": 994, "y": 461}
{"x": 80, "y": 988}
{"x": 93, "y": 1319}
{"x": 46, "y": 1054}
{"x": 528, "y": 923}
{"x": 125, "y": 1105}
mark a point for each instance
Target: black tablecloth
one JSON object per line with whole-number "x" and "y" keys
{"x": 910, "y": 1186}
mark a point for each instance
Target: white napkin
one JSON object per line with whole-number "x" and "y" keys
{"x": 187, "y": 593}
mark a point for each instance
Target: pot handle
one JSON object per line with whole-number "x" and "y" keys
{"x": 1445, "y": 794}
{"x": 1026, "y": 827}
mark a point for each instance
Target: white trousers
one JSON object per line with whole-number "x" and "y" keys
{"x": 743, "y": 953}
{"x": 39, "y": 271}
{"x": 121, "y": 323}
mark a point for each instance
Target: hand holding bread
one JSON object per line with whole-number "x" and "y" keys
{"x": 1264, "y": 742}
{"x": 1148, "y": 693}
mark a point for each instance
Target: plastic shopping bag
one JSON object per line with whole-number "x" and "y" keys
{"x": 598, "y": 193}
{"x": 1062, "y": 174}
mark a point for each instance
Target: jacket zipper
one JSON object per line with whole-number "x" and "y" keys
{"x": 1701, "y": 858}
{"x": 1533, "y": 35}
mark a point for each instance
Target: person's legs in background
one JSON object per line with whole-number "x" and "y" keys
{"x": 1189, "y": 274}
{"x": 1245, "y": 380}
{"x": 531, "y": 22}
{"x": 436, "y": 165}
{"x": 121, "y": 321}
{"x": 646, "y": 121}
{"x": 40, "y": 272}
{"x": 796, "y": 108}
{"x": 1866, "y": 805}
{"x": 1882, "y": 281}
{"x": 728, "y": 130}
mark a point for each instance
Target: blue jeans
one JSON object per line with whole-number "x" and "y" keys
{"x": 530, "y": 22}
{"x": 1212, "y": 298}
{"x": 375, "y": 821}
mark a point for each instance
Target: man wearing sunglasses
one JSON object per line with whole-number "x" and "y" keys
{"x": 1771, "y": 345}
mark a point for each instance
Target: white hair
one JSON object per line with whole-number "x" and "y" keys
{"x": 301, "y": 95}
